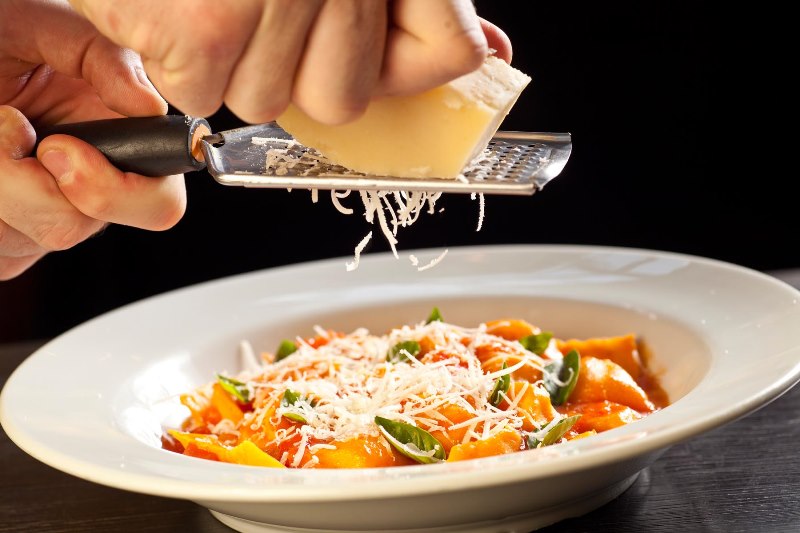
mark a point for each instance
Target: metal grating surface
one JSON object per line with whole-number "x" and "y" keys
{"x": 516, "y": 163}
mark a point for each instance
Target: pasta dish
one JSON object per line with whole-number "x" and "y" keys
{"x": 420, "y": 393}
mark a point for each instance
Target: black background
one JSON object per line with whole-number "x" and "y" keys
{"x": 631, "y": 81}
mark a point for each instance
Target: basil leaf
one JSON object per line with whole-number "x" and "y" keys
{"x": 411, "y": 441}
{"x": 567, "y": 372}
{"x": 235, "y": 388}
{"x": 285, "y": 349}
{"x": 555, "y": 433}
{"x": 290, "y": 398}
{"x": 400, "y": 351}
{"x": 435, "y": 316}
{"x": 537, "y": 343}
{"x": 501, "y": 387}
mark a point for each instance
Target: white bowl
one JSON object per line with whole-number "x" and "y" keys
{"x": 93, "y": 401}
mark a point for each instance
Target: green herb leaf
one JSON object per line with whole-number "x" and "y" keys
{"x": 411, "y": 441}
{"x": 500, "y": 388}
{"x": 399, "y": 352}
{"x": 536, "y": 343}
{"x": 555, "y": 433}
{"x": 290, "y": 398}
{"x": 435, "y": 316}
{"x": 235, "y": 388}
{"x": 285, "y": 349}
{"x": 567, "y": 372}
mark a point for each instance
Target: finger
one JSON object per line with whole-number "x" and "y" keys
{"x": 102, "y": 192}
{"x": 11, "y": 267}
{"x": 116, "y": 73}
{"x": 14, "y": 243}
{"x": 342, "y": 61}
{"x": 497, "y": 40}
{"x": 261, "y": 85}
{"x": 16, "y": 140}
{"x": 30, "y": 201}
{"x": 190, "y": 57}
{"x": 430, "y": 43}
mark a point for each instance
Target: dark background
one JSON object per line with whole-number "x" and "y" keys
{"x": 631, "y": 81}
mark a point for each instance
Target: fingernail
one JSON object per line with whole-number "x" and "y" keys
{"x": 57, "y": 163}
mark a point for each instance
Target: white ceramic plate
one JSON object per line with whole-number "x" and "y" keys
{"x": 92, "y": 402}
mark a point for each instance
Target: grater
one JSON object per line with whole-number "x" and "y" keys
{"x": 264, "y": 155}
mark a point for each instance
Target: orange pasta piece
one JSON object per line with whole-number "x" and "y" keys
{"x": 492, "y": 355}
{"x": 532, "y": 402}
{"x": 193, "y": 442}
{"x": 245, "y": 453}
{"x": 622, "y": 350}
{"x": 601, "y": 416}
{"x": 603, "y": 379}
{"x": 364, "y": 451}
{"x": 199, "y": 407}
{"x": 506, "y": 441}
{"x": 226, "y": 405}
{"x": 456, "y": 414}
{"x": 511, "y": 328}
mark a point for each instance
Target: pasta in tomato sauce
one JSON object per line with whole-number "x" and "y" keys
{"x": 423, "y": 393}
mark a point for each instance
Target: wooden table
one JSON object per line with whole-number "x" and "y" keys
{"x": 743, "y": 477}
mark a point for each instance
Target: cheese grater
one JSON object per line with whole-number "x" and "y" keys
{"x": 264, "y": 155}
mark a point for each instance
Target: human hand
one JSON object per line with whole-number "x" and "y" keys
{"x": 328, "y": 57}
{"x": 56, "y": 68}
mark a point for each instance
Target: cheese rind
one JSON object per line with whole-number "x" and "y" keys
{"x": 433, "y": 134}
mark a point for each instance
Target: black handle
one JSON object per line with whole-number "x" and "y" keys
{"x": 151, "y": 146}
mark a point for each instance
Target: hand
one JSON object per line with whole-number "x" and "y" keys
{"x": 328, "y": 57}
{"x": 54, "y": 68}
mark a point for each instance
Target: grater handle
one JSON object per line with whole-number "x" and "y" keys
{"x": 150, "y": 146}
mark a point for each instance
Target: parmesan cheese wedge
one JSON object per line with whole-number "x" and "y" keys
{"x": 430, "y": 135}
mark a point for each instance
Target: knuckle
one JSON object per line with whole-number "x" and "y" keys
{"x": 96, "y": 206}
{"x": 168, "y": 218}
{"x": 468, "y": 50}
{"x": 214, "y": 27}
{"x": 347, "y": 111}
{"x": 15, "y": 244}
{"x": 336, "y": 111}
{"x": 11, "y": 267}
{"x": 171, "y": 210}
{"x": 62, "y": 235}
{"x": 256, "y": 109}
{"x": 17, "y": 136}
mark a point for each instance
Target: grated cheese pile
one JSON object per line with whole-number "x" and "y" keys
{"x": 423, "y": 393}
{"x": 353, "y": 382}
{"x": 344, "y": 381}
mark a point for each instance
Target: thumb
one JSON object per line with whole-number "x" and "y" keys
{"x": 53, "y": 34}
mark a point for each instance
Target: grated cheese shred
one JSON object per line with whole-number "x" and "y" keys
{"x": 346, "y": 382}
{"x": 393, "y": 209}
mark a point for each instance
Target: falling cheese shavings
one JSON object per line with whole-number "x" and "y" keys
{"x": 481, "y": 209}
{"x": 391, "y": 209}
{"x": 433, "y": 263}
{"x": 248, "y": 359}
{"x": 335, "y": 197}
{"x": 357, "y": 255}
{"x": 415, "y": 261}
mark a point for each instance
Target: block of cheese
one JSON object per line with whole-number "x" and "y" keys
{"x": 434, "y": 134}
